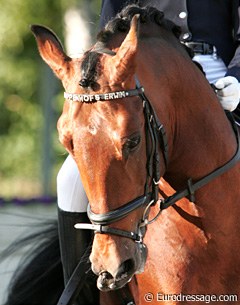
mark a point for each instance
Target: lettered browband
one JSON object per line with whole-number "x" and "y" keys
{"x": 93, "y": 98}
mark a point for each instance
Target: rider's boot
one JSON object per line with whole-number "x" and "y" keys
{"x": 73, "y": 244}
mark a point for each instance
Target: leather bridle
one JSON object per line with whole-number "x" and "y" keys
{"x": 156, "y": 140}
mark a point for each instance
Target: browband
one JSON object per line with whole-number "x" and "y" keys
{"x": 93, "y": 98}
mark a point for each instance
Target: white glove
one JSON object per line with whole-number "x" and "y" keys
{"x": 228, "y": 92}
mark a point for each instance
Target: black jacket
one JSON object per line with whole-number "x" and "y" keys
{"x": 212, "y": 21}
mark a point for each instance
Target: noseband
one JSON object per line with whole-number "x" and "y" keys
{"x": 156, "y": 140}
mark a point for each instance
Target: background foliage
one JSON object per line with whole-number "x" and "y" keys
{"x": 22, "y": 117}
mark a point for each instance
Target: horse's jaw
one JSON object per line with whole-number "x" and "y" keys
{"x": 107, "y": 282}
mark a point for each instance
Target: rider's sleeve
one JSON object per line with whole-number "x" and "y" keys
{"x": 234, "y": 66}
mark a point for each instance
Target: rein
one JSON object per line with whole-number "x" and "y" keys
{"x": 193, "y": 187}
{"x": 155, "y": 138}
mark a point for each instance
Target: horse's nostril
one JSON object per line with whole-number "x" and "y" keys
{"x": 126, "y": 267}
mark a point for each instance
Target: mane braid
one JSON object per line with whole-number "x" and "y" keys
{"x": 122, "y": 21}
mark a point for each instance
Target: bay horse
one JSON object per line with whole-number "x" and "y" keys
{"x": 136, "y": 110}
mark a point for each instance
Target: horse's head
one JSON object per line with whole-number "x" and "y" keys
{"x": 105, "y": 129}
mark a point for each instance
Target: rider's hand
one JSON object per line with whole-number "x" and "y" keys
{"x": 228, "y": 92}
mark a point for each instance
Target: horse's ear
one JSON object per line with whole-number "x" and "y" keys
{"x": 51, "y": 50}
{"x": 124, "y": 61}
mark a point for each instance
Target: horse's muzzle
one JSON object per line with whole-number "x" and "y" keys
{"x": 107, "y": 282}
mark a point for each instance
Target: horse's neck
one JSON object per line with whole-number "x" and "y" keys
{"x": 199, "y": 135}
{"x": 203, "y": 139}
{"x": 197, "y": 241}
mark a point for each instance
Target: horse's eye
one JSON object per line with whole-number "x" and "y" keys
{"x": 131, "y": 144}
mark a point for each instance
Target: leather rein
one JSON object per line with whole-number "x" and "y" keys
{"x": 156, "y": 139}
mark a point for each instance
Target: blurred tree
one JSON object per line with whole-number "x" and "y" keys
{"x": 21, "y": 113}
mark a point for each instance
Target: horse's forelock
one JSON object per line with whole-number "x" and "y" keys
{"x": 89, "y": 68}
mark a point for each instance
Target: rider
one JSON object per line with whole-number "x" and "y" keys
{"x": 208, "y": 29}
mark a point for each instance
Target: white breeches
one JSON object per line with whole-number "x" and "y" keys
{"x": 213, "y": 66}
{"x": 70, "y": 191}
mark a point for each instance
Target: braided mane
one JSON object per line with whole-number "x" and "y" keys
{"x": 122, "y": 21}
{"x": 120, "y": 24}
